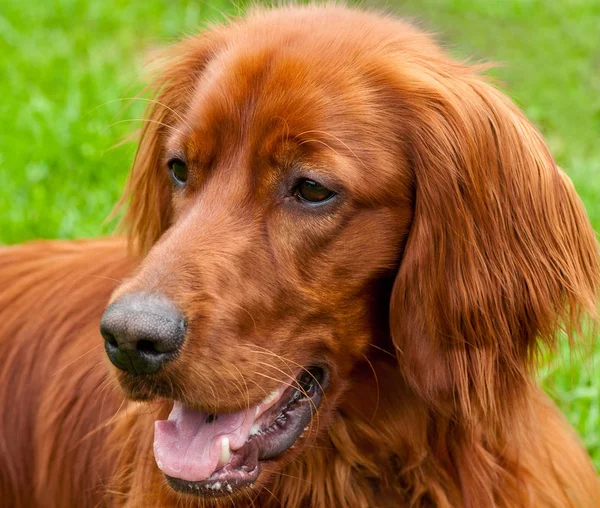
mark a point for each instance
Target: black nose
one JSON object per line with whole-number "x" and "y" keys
{"x": 141, "y": 332}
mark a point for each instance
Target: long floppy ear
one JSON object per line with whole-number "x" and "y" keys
{"x": 500, "y": 253}
{"x": 147, "y": 196}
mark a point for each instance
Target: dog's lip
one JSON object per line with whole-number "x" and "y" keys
{"x": 277, "y": 427}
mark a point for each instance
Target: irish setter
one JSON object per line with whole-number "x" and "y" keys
{"x": 346, "y": 251}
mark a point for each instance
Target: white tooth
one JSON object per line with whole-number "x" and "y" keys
{"x": 225, "y": 452}
{"x": 271, "y": 397}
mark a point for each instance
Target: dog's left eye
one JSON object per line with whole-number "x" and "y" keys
{"x": 178, "y": 170}
{"x": 313, "y": 192}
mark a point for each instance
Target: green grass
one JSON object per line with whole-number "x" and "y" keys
{"x": 64, "y": 64}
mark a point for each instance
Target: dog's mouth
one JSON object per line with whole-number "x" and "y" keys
{"x": 219, "y": 454}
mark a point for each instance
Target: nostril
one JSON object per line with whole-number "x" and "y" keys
{"x": 146, "y": 346}
{"x": 110, "y": 340}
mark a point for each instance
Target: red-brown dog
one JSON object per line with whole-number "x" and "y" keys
{"x": 348, "y": 249}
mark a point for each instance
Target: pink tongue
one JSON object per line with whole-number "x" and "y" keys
{"x": 188, "y": 447}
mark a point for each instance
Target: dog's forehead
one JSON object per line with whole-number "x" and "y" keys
{"x": 252, "y": 99}
{"x": 247, "y": 91}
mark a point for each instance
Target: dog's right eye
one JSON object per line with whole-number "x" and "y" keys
{"x": 178, "y": 170}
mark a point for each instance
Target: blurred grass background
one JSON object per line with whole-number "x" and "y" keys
{"x": 67, "y": 68}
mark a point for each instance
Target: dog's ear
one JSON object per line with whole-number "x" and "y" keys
{"x": 147, "y": 196}
{"x": 500, "y": 252}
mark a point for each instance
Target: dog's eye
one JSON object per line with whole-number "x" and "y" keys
{"x": 313, "y": 192}
{"x": 179, "y": 171}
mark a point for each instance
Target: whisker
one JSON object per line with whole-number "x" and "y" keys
{"x": 325, "y": 399}
{"x": 238, "y": 386}
{"x": 142, "y": 120}
{"x": 279, "y": 473}
{"x": 260, "y": 387}
{"x": 245, "y": 384}
{"x": 76, "y": 359}
{"x": 98, "y": 428}
{"x": 106, "y": 278}
{"x": 144, "y": 99}
{"x": 301, "y": 390}
{"x": 275, "y": 379}
{"x": 377, "y": 383}
{"x": 337, "y": 139}
{"x": 272, "y": 495}
{"x": 311, "y": 140}
{"x": 382, "y": 350}
{"x": 269, "y": 352}
{"x": 287, "y": 127}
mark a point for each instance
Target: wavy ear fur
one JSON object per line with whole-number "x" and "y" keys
{"x": 147, "y": 196}
{"x": 500, "y": 254}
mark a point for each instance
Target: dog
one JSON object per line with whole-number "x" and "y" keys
{"x": 344, "y": 252}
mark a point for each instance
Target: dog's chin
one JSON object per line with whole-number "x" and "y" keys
{"x": 225, "y": 454}
{"x": 145, "y": 387}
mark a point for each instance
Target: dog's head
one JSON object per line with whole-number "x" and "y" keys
{"x": 313, "y": 185}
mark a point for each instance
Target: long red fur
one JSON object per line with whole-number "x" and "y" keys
{"x": 471, "y": 250}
